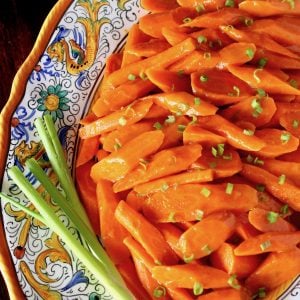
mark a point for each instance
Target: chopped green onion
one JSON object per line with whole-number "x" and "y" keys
{"x": 158, "y": 262}
{"x": 131, "y": 77}
{"x": 272, "y": 217}
{"x": 200, "y": 8}
{"x": 160, "y": 291}
{"x": 248, "y": 132}
{"x": 265, "y": 245}
{"x": 232, "y": 281}
{"x": 249, "y": 158}
{"x": 248, "y": 21}
{"x": 205, "y": 192}
{"x": 250, "y": 53}
{"x": 260, "y": 187}
{"x": 229, "y": 3}
{"x": 199, "y": 214}
{"x": 255, "y": 75}
{"x": 228, "y": 157}
{"x": 212, "y": 165}
{"x": 206, "y": 249}
{"x": 257, "y": 108}
{"x": 197, "y": 101}
{"x": 261, "y": 292}
{"x": 143, "y": 76}
{"x": 281, "y": 179}
{"x": 194, "y": 120}
{"x": 284, "y": 210}
{"x": 293, "y": 83}
{"x": 157, "y": 125}
{"x": 262, "y": 62}
{"x": 181, "y": 128}
{"x": 258, "y": 161}
{"x": 285, "y": 137}
{"x": 117, "y": 145}
{"x": 214, "y": 151}
{"x": 180, "y": 73}
{"x": 220, "y": 149}
{"x": 197, "y": 288}
{"x": 207, "y": 55}
{"x": 203, "y": 78}
{"x": 170, "y": 119}
{"x": 295, "y": 124}
{"x": 122, "y": 121}
{"x": 201, "y": 39}
{"x": 171, "y": 217}
{"x": 261, "y": 93}
{"x": 164, "y": 187}
{"x": 187, "y": 20}
{"x": 188, "y": 259}
{"x": 290, "y": 2}
{"x": 229, "y": 188}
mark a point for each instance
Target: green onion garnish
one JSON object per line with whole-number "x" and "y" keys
{"x": 122, "y": 121}
{"x": 250, "y": 53}
{"x": 203, "y": 78}
{"x": 262, "y": 62}
{"x": 221, "y": 149}
{"x": 248, "y": 132}
{"x": 188, "y": 259}
{"x": 295, "y": 124}
{"x": 281, "y": 179}
{"x": 200, "y": 8}
{"x": 180, "y": 73}
{"x": 197, "y": 288}
{"x": 284, "y": 210}
{"x": 293, "y": 83}
{"x": 170, "y": 119}
{"x": 272, "y": 217}
{"x": 229, "y": 188}
{"x": 232, "y": 281}
{"x": 164, "y": 187}
{"x": 261, "y": 93}
{"x": 181, "y": 128}
{"x": 265, "y": 245}
{"x": 205, "y": 192}
{"x": 187, "y": 20}
{"x": 171, "y": 217}
{"x": 160, "y": 291}
{"x": 131, "y": 77}
{"x": 206, "y": 249}
{"x": 199, "y": 214}
{"x": 143, "y": 76}
{"x": 248, "y": 21}
{"x": 117, "y": 145}
{"x": 261, "y": 292}
{"x": 212, "y": 165}
{"x": 258, "y": 161}
{"x": 197, "y": 101}
{"x": 228, "y": 157}
{"x": 201, "y": 39}
{"x": 257, "y": 108}
{"x": 157, "y": 125}
{"x": 214, "y": 151}
{"x": 285, "y": 137}
{"x": 229, "y": 3}
{"x": 207, "y": 55}
{"x": 260, "y": 187}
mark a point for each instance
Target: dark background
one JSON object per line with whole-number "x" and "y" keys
{"x": 20, "y": 23}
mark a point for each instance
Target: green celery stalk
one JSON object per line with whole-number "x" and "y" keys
{"x": 52, "y": 220}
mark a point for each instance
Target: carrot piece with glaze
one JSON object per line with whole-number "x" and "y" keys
{"x": 207, "y": 5}
{"x": 290, "y": 121}
{"x": 87, "y": 150}
{"x": 149, "y": 48}
{"x": 112, "y": 232}
{"x": 232, "y": 294}
{"x": 158, "y": 6}
{"x": 116, "y": 165}
{"x": 174, "y": 35}
{"x": 146, "y": 234}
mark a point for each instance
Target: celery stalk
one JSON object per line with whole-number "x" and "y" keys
{"x": 52, "y": 220}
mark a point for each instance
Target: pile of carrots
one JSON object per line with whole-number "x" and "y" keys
{"x": 189, "y": 163}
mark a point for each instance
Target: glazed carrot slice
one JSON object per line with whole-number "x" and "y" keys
{"x": 90, "y": 117}
{"x": 235, "y": 136}
{"x": 237, "y": 53}
{"x": 225, "y": 165}
{"x": 209, "y": 84}
{"x": 278, "y": 167}
{"x": 125, "y": 94}
{"x": 174, "y": 35}
{"x": 232, "y": 294}
{"x": 196, "y": 134}
{"x": 275, "y": 270}
{"x": 225, "y": 259}
{"x": 269, "y": 8}
{"x": 243, "y": 227}
{"x": 165, "y": 162}
{"x": 117, "y": 138}
{"x": 246, "y": 110}
{"x": 195, "y": 61}
{"x": 268, "y": 242}
{"x": 149, "y": 48}
{"x": 87, "y": 150}
{"x": 169, "y": 81}
{"x": 203, "y": 4}
{"x": 185, "y": 276}
{"x": 284, "y": 191}
{"x": 163, "y": 60}
{"x": 292, "y": 156}
{"x": 101, "y": 154}
{"x": 129, "y": 115}
{"x": 179, "y": 294}
{"x": 128, "y": 272}
{"x": 146, "y": 234}
{"x": 87, "y": 191}
{"x": 268, "y": 202}
{"x": 282, "y": 109}
{"x": 290, "y": 121}
{"x": 193, "y": 176}
{"x": 263, "y": 79}
{"x": 116, "y": 165}
{"x": 157, "y": 6}
{"x": 262, "y": 40}
{"x": 278, "y": 142}
{"x": 183, "y": 103}
{"x": 228, "y": 16}
{"x": 208, "y": 235}
{"x": 267, "y": 221}
{"x": 112, "y": 233}
{"x": 156, "y": 113}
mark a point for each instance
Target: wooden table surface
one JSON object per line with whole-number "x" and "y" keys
{"x": 20, "y": 22}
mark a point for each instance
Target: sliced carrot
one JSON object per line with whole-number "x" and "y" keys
{"x": 208, "y": 235}
{"x": 163, "y": 60}
{"x": 116, "y": 165}
{"x": 237, "y": 53}
{"x": 149, "y": 48}
{"x": 262, "y": 220}
{"x": 160, "y": 5}
{"x": 146, "y": 234}
{"x": 275, "y": 270}
{"x": 207, "y": 5}
{"x": 278, "y": 142}
{"x": 263, "y": 79}
{"x": 179, "y": 294}
{"x": 268, "y": 242}
{"x": 232, "y": 294}
{"x": 262, "y": 40}
{"x": 196, "y": 134}
{"x": 112, "y": 232}
{"x": 169, "y": 81}
{"x": 269, "y": 8}
{"x": 135, "y": 200}
{"x": 225, "y": 165}
{"x": 185, "y": 276}
{"x": 290, "y": 121}
{"x": 209, "y": 84}
{"x": 184, "y": 104}
{"x": 87, "y": 192}
{"x": 90, "y": 117}
{"x": 165, "y": 162}
{"x": 196, "y": 60}
{"x": 250, "y": 127}
{"x": 118, "y": 138}
{"x": 268, "y": 202}
{"x": 193, "y": 176}
{"x": 243, "y": 227}
{"x": 128, "y": 272}
{"x": 101, "y": 154}
{"x": 292, "y": 156}
{"x": 229, "y": 16}
{"x": 156, "y": 113}
{"x": 285, "y": 192}
{"x": 131, "y": 115}
{"x": 282, "y": 109}
{"x": 174, "y": 35}
{"x": 235, "y": 136}
{"x": 87, "y": 150}
{"x": 242, "y": 266}
{"x": 244, "y": 111}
